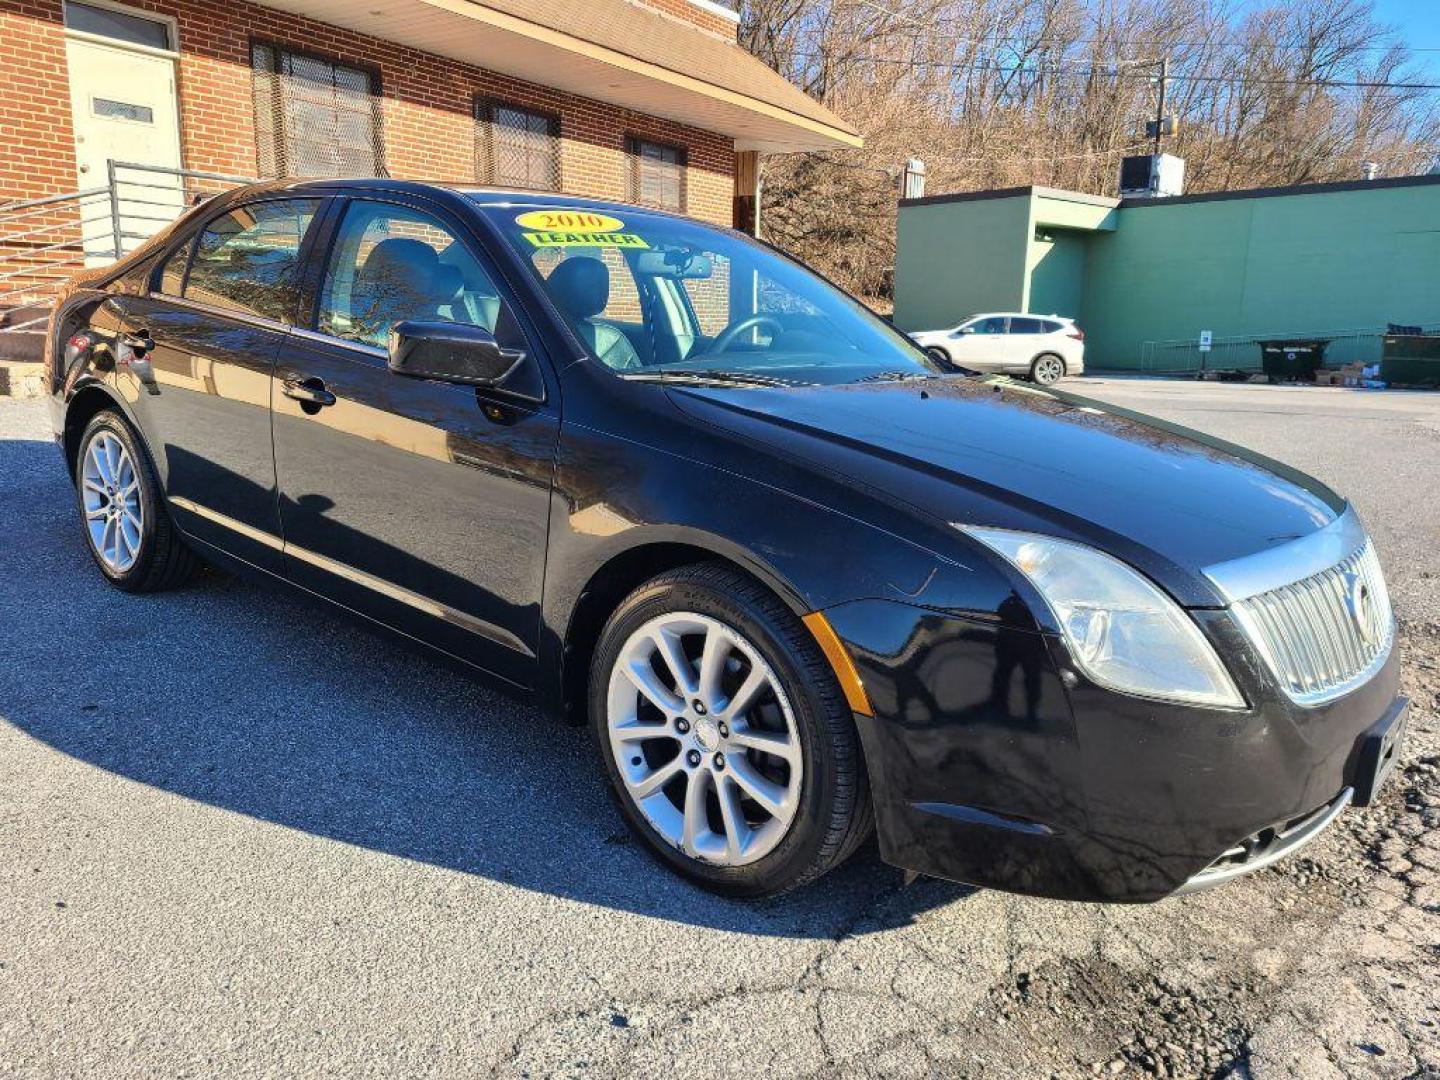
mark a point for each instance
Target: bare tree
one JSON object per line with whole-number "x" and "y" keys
{"x": 994, "y": 93}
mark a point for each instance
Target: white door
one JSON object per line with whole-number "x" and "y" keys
{"x": 123, "y": 106}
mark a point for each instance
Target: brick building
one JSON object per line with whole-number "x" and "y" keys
{"x": 648, "y": 102}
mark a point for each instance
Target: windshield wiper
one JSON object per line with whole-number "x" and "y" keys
{"x": 894, "y": 376}
{"x": 701, "y": 375}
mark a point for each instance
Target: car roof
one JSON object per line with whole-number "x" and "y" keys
{"x": 1016, "y": 315}
{"x": 474, "y": 193}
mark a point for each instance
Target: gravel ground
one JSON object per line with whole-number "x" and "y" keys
{"x": 240, "y": 836}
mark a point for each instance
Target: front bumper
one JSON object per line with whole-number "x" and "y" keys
{"x": 1268, "y": 846}
{"x": 993, "y": 762}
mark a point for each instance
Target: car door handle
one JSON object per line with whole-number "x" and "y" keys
{"x": 140, "y": 343}
{"x": 309, "y": 392}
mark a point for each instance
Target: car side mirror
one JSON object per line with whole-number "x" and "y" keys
{"x": 460, "y": 353}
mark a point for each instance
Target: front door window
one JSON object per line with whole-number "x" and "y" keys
{"x": 392, "y": 264}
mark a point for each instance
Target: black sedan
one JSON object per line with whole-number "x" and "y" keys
{"x": 802, "y": 584}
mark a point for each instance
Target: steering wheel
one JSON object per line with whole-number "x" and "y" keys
{"x": 727, "y": 337}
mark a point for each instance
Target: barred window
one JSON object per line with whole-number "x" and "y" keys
{"x": 314, "y": 117}
{"x": 656, "y": 175}
{"x": 516, "y": 147}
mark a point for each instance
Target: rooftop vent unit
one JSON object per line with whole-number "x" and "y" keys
{"x": 1152, "y": 176}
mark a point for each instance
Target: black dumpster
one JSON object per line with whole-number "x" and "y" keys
{"x": 1296, "y": 359}
{"x": 1411, "y": 360}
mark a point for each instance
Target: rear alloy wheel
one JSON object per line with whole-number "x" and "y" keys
{"x": 110, "y": 499}
{"x": 729, "y": 745}
{"x": 127, "y": 527}
{"x": 1047, "y": 370}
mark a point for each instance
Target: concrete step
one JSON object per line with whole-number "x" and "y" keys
{"x": 25, "y": 316}
{"x": 22, "y": 333}
{"x": 21, "y": 380}
{"x": 22, "y": 346}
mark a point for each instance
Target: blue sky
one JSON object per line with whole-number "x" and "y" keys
{"x": 1418, "y": 20}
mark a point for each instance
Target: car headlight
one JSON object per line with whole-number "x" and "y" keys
{"x": 1122, "y": 631}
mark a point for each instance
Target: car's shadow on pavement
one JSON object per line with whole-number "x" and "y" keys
{"x": 258, "y": 701}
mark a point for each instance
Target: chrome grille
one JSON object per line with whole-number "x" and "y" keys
{"x": 1327, "y": 633}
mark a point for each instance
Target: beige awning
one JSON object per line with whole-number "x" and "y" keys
{"x": 609, "y": 50}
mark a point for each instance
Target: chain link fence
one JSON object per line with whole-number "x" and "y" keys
{"x": 1243, "y": 352}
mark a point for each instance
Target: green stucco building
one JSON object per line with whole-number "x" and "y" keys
{"x": 1144, "y": 277}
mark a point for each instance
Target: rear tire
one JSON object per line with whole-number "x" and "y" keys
{"x": 704, "y": 740}
{"x": 1047, "y": 369}
{"x": 127, "y": 527}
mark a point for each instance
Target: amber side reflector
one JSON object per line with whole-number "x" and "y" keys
{"x": 840, "y": 662}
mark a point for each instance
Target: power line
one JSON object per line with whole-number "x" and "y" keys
{"x": 1102, "y": 73}
{"x": 1150, "y": 43}
{"x": 893, "y": 172}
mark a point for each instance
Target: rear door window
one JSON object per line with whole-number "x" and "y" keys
{"x": 248, "y": 259}
{"x": 1027, "y": 326}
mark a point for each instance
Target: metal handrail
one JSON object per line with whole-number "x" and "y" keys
{"x": 47, "y": 200}
{"x": 194, "y": 174}
{"x": 44, "y": 254}
{"x": 50, "y": 228}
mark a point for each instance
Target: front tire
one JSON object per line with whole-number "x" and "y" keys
{"x": 940, "y": 354}
{"x": 128, "y": 530}
{"x": 728, "y": 742}
{"x": 1047, "y": 369}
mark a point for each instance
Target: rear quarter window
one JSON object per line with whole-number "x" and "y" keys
{"x": 172, "y": 272}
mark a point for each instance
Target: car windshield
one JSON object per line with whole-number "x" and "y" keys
{"x": 654, "y": 296}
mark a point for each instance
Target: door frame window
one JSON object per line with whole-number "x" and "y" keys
{"x": 171, "y": 24}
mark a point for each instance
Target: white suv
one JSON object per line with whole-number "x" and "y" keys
{"x": 1044, "y": 347}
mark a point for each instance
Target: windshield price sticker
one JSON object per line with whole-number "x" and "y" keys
{"x": 585, "y": 239}
{"x": 576, "y": 228}
{"x": 586, "y": 221}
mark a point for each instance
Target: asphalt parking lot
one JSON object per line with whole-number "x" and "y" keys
{"x": 240, "y": 836}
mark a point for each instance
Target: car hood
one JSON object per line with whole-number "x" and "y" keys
{"x": 993, "y": 452}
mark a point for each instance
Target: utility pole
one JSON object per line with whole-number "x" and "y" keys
{"x": 1160, "y": 106}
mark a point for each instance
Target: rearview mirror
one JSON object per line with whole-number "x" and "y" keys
{"x": 679, "y": 265}
{"x": 455, "y": 353}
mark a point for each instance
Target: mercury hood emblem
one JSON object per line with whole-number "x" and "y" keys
{"x": 1360, "y": 604}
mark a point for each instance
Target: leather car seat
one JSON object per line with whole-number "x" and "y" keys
{"x": 580, "y": 287}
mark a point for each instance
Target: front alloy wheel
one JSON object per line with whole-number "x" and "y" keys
{"x": 704, "y": 739}
{"x": 730, "y": 747}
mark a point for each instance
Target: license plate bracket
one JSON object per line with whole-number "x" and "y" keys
{"x": 1379, "y": 751}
